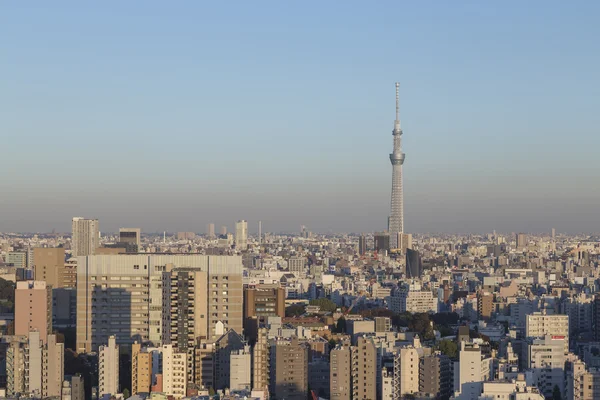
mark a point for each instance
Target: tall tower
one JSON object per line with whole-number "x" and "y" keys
{"x": 396, "y": 220}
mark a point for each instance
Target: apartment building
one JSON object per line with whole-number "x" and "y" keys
{"x": 33, "y": 308}
{"x": 539, "y": 324}
{"x": 289, "y": 370}
{"x": 49, "y": 266}
{"x": 108, "y": 368}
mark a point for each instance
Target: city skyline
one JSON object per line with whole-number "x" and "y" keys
{"x": 491, "y": 104}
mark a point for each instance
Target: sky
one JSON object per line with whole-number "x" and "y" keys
{"x": 171, "y": 115}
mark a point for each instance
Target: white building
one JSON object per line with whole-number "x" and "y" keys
{"x": 546, "y": 358}
{"x": 85, "y": 238}
{"x": 240, "y": 362}
{"x": 174, "y": 369}
{"x": 241, "y": 235}
{"x": 539, "y": 324}
{"x": 516, "y": 389}
{"x": 470, "y": 372}
{"x": 412, "y": 298}
{"x": 108, "y": 368}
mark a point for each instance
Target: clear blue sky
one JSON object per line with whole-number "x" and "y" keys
{"x": 170, "y": 115}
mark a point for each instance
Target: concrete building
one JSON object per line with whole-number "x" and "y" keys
{"x": 49, "y": 266}
{"x": 297, "y": 266}
{"x": 340, "y": 373}
{"x": 546, "y": 358}
{"x": 33, "y": 308}
{"x": 485, "y": 305}
{"x": 204, "y": 365}
{"x": 435, "y": 375}
{"x": 77, "y": 388}
{"x": 472, "y": 369}
{"x": 240, "y": 369}
{"x": 580, "y": 310}
{"x": 540, "y": 324}
{"x": 53, "y": 372}
{"x": 289, "y": 370}
{"x": 582, "y": 383}
{"x": 414, "y": 265}
{"x": 364, "y": 369}
{"x": 362, "y": 245}
{"x": 229, "y": 342}
{"x": 131, "y": 286}
{"x": 382, "y": 242}
{"x": 383, "y": 324}
{"x": 131, "y": 238}
{"x": 108, "y": 368}
{"x": 521, "y": 241}
{"x": 404, "y": 242}
{"x": 17, "y": 259}
{"x": 64, "y": 308}
{"x": 241, "y": 235}
{"x": 174, "y": 372}
{"x": 210, "y": 230}
{"x": 260, "y": 303}
{"x": 143, "y": 369}
{"x": 412, "y": 298}
{"x": 516, "y": 389}
{"x": 261, "y": 365}
{"x": 85, "y": 237}
{"x": 406, "y": 371}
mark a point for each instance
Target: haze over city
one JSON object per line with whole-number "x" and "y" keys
{"x": 170, "y": 116}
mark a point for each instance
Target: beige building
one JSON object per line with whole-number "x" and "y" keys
{"x": 108, "y": 368}
{"x": 340, "y": 373}
{"x": 35, "y": 368}
{"x": 406, "y": 371}
{"x": 141, "y": 369}
{"x": 241, "y": 235}
{"x": 33, "y": 308}
{"x": 538, "y": 325}
{"x": 364, "y": 363}
{"x": 289, "y": 370}
{"x": 49, "y": 266}
{"x": 240, "y": 369}
{"x": 412, "y": 298}
{"x": 127, "y": 291}
{"x": 174, "y": 372}
{"x": 261, "y": 361}
{"x": 85, "y": 237}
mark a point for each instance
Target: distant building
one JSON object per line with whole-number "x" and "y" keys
{"x": 362, "y": 245}
{"x": 17, "y": 259}
{"x": 414, "y": 267}
{"x": 382, "y": 242}
{"x": 538, "y": 325}
{"x": 521, "y": 241}
{"x": 186, "y": 235}
{"x": 210, "y": 230}
{"x": 85, "y": 237}
{"x": 241, "y": 235}
{"x": 131, "y": 238}
{"x": 289, "y": 370}
{"x": 383, "y": 324}
{"x": 297, "y": 266}
{"x": 546, "y": 358}
{"x": 49, "y": 266}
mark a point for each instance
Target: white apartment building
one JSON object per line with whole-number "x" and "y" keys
{"x": 241, "y": 235}
{"x": 546, "y": 358}
{"x": 412, "y": 298}
{"x": 539, "y": 324}
{"x": 470, "y": 372}
{"x": 85, "y": 238}
{"x": 174, "y": 369}
{"x": 108, "y": 368}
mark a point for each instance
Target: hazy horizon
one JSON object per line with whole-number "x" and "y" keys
{"x": 171, "y": 116}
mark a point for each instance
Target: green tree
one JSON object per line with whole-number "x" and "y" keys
{"x": 294, "y": 310}
{"x": 340, "y": 327}
{"x": 325, "y": 304}
{"x": 449, "y": 348}
{"x": 126, "y": 394}
{"x": 556, "y": 393}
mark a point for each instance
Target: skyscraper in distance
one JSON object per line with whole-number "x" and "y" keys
{"x": 241, "y": 235}
{"x": 396, "y": 220}
{"x": 85, "y": 238}
{"x": 210, "y": 230}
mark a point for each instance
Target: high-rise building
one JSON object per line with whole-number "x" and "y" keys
{"x": 412, "y": 298}
{"x": 241, "y": 235}
{"x": 224, "y": 231}
{"x": 404, "y": 242}
{"x": 539, "y": 324}
{"x": 210, "y": 230}
{"x": 137, "y": 282}
{"x": 362, "y": 245}
{"x": 108, "y": 369}
{"x": 485, "y": 305}
{"x": 297, "y": 266}
{"x": 49, "y": 266}
{"x": 472, "y": 369}
{"x": 396, "y": 220}
{"x": 553, "y": 233}
{"x": 131, "y": 238}
{"x": 546, "y": 358}
{"x": 261, "y": 302}
{"x": 141, "y": 369}
{"x": 289, "y": 369}
{"x": 382, "y": 242}
{"x": 521, "y": 241}
{"x": 414, "y": 266}
{"x": 85, "y": 237}
{"x": 186, "y": 235}
{"x": 340, "y": 375}
{"x": 364, "y": 364}
{"x": 17, "y": 259}
{"x": 33, "y": 309}
{"x": 261, "y": 364}
{"x": 174, "y": 372}
{"x": 228, "y": 343}
{"x": 406, "y": 371}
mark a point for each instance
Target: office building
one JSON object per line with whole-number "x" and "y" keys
{"x": 210, "y": 230}
{"x": 70, "y": 273}
{"x": 362, "y": 245}
{"x": 396, "y": 220}
{"x": 382, "y": 242}
{"x": 404, "y": 242}
{"x": 539, "y": 324}
{"x": 108, "y": 368}
{"x": 297, "y": 266}
{"x": 85, "y": 237}
{"x": 130, "y": 239}
{"x": 223, "y": 231}
{"x": 17, "y": 259}
{"x": 289, "y": 370}
{"x": 240, "y": 368}
{"x": 241, "y": 235}
{"x": 186, "y": 236}
{"x": 49, "y": 266}
{"x": 33, "y": 308}
{"x": 485, "y": 305}
{"x": 131, "y": 286}
{"x": 412, "y": 298}
{"x": 64, "y": 308}
{"x": 522, "y": 241}
{"x": 414, "y": 266}
{"x": 383, "y": 324}
{"x": 406, "y": 371}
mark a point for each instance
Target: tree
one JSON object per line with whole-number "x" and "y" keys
{"x": 294, "y": 310}
{"x": 126, "y": 393}
{"x": 324, "y": 304}
{"x": 556, "y": 393}
{"x": 449, "y": 348}
{"x": 340, "y": 327}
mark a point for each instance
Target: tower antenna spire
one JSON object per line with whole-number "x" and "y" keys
{"x": 398, "y": 101}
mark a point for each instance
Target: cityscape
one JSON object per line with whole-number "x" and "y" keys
{"x": 247, "y": 308}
